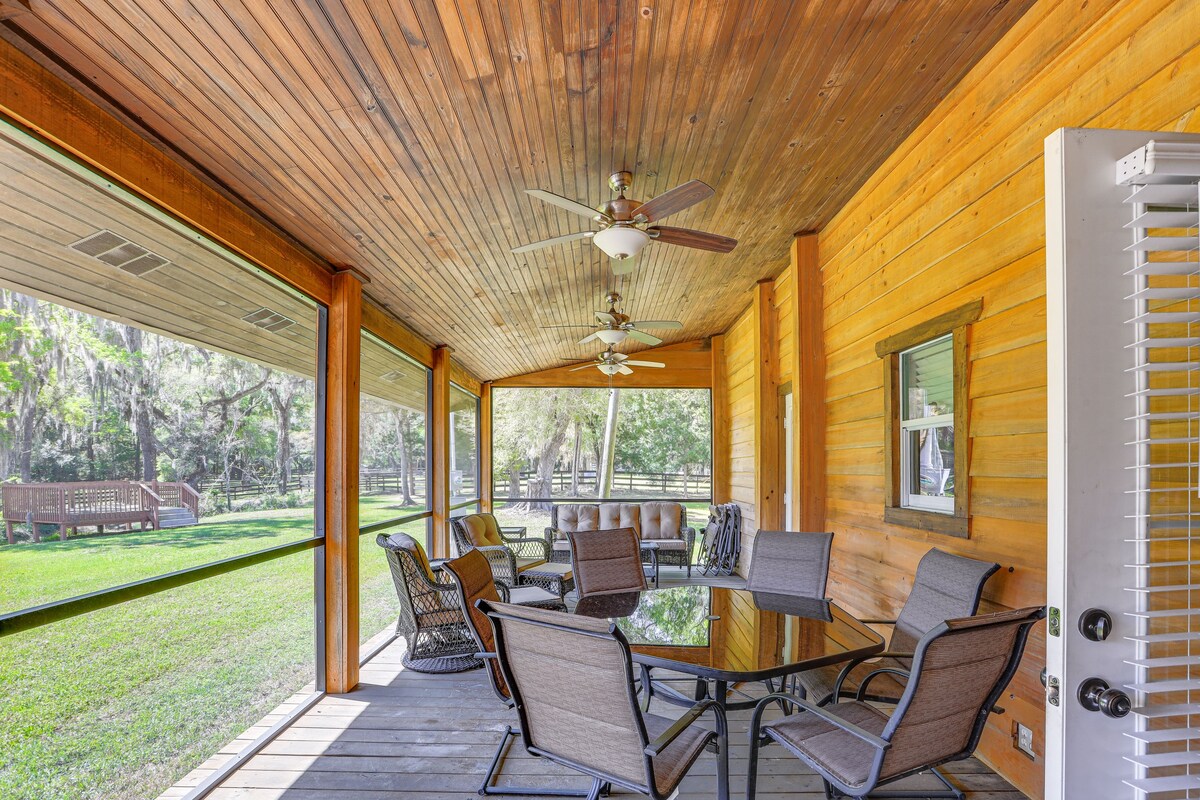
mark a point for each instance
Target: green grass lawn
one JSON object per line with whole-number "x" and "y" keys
{"x": 122, "y": 702}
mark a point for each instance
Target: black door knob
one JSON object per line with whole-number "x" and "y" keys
{"x": 1095, "y": 624}
{"x": 1095, "y": 695}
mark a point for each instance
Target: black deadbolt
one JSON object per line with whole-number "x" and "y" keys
{"x": 1095, "y": 624}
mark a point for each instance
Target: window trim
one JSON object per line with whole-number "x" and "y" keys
{"x": 954, "y": 323}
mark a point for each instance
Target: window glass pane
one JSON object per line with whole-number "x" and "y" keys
{"x": 151, "y": 379}
{"x": 927, "y": 375}
{"x": 125, "y": 701}
{"x": 553, "y": 444}
{"x": 931, "y": 462}
{"x": 464, "y": 446}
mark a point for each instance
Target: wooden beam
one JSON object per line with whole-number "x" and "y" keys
{"x": 808, "y": 386}
{"x": 383, "y": 324}
{"x": 439, "y": 462}
{"x": 720, "y": 422}
{"x": 767, "y": 456}
{"x": 688, "y": 366}
{"x": 465, "y": 378}
{"x": 341, "y": 484}
{"x": 36, "y": 99}
{"x": 485, "y": 447}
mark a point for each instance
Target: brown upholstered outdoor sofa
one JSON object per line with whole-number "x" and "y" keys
{"x": 661, "y": 521}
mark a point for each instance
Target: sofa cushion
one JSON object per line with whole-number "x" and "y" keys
{"x": 482, "y": 530}
{"x": 661, "y": 520}
{"x": 621, "y": 515}
{"x": 576, "y": 517}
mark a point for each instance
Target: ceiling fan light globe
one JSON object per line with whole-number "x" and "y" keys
{"x": 621, "y": 241}
{"x": 609, "y": 369}
{"x": 611, "y": 337}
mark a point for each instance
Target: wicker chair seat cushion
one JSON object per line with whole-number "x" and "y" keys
{"x": 662, "y": 520}
{"x": 671, "y": 544}
{"x": 620, "y": 515}
{"x": 571, "y": 517}
{"x": 847, "y": 757}
{"x": 672, "y": 763}
{"x": 531, "y": 595}
{"x": 529, "y": 563}
{"x": 818, "y": 683}
{"x": 482, "y": 529}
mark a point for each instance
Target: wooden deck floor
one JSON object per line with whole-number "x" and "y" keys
{"x": 403, "y": 735}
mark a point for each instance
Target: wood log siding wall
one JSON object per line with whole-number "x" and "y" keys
{"x": 956, "y": 214}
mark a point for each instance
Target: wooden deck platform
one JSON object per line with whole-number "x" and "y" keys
{"x": 404, "y": 735}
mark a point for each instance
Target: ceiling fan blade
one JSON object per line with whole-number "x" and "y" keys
{"x": 644, "y": 338}
{"x": 617, "y": 357}
{"x": 624, "y": 266}
{"x": 689, "y": 238}
{"x": 659, "y": 324}
{"x": 642, "y": 364}
{"x": 570, "y": 237}
{"x": 585, "y": 366}
{"x": 604, "y": 316}
{"x": 574, "y": 206}
{"x": 683, "y": 196}
{"x": 588, "y": 338}
{"x": 624, "y": 370}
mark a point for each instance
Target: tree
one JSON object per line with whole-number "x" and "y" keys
{"x": 27, "y": 349}
{"x": 284, "y": 390}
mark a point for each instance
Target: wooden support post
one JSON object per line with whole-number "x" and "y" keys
{"x": 720, "y": 423}
{"x": 808, "y": 396}
{"x": 768, "y": 469}
{"x": 485, "y": 447}
{"x": 341, "y": 483}
{"x": 439, "y": 462}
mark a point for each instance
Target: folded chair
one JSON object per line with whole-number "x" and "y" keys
{"x": 571, "y": 679}
{"x": 945, "y": 587}
{"x": 960, "y": 668}
{"x": 472, "y": 576}
{"x": 606, "y": 562}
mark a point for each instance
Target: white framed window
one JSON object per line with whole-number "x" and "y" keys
{"x": 927, "y": 426}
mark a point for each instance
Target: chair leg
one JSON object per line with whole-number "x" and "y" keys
{"x": 951, "y": 792}
{"x": 597, "y": 787}
{"x": 487, "y": 789}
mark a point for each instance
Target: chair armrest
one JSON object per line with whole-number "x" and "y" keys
{"x": 529, "y": 548}
{"x": 504, "y": 592}
{"x": 683, "y": 723}
{"x": 854, "y": 662}
{"x": 832, "y": 719}
{"x": 515, "y": 531}
{"x": 870, "y": 676}
{"x": 503, "y": 563}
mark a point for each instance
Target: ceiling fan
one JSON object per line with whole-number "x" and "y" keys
{"x": 611, "y": 363}
{"x": 615, "y": 327}
{"x": 626, "y": 226}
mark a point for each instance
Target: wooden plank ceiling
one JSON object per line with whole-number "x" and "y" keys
{"x": 398, "y": 135}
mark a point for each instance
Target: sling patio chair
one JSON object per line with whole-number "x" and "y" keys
{"x": 572, "y": 683}
{"x": 959, "y": 670}
{"x": 472, "y": 576}
{"x": 606, "y": 562}
{"x": 790, "y": 562}
{"x": 945, "y": 587}
{"x": 431, "y": 620}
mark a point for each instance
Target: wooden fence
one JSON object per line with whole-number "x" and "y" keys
{"x": 639, "y": 483}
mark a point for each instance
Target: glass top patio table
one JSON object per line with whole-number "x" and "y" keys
{"x": 733, "y": 635}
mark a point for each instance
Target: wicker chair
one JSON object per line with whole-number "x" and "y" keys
{"x": 505, "y": 548}
{"x": 572, "y": 683}
{"x": 472, "y": 576}
{"x": 785, "y": 562}
{"x": 960, "y": 669}
{"x": 945, "y": 587}
{"x": 431, "y": 620}
{"x": 606, "y": 562}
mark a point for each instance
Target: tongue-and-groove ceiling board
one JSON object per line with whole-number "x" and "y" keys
{"x": 399, "y": 135}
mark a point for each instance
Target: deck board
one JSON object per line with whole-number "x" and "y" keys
{"x": 403, "y": 735}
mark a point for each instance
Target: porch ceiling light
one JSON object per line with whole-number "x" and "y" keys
{"x": 611, "y": 336}
{"x": 609, "y": 369}
{"x": 621, "y": 241}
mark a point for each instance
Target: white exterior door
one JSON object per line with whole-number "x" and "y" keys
{"x": 789, "y": 456}
{"x": 1122, "y": 307}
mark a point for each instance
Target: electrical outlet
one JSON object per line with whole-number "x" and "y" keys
{"x": 1023, "y": 739}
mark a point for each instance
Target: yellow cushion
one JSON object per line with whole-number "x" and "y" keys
{"x": 482, "y": 530}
